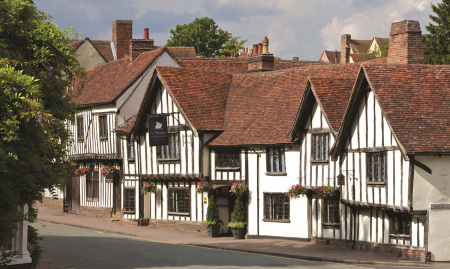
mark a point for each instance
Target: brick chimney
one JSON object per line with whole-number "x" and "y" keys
{"x": 263, "y": 61}
{"x": 405, "y": 44}
{"x": 345, "y": 48}
{"x": 122, "y": 33}
{"x": 138, "y": 46}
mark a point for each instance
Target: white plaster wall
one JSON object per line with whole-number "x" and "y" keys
{"x": 88, "y": 56}
{"x": 439, "y": 235}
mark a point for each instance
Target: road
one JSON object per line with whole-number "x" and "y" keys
{"x": 72, "y": 247}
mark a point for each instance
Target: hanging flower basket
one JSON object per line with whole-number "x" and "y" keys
{"x": 326, "y": 192}
{"x": 80, "y": 172}
{"x": 295, "y": 191}
{"x": 109, "y": 171}
{"x": 149, "y": 187}
{"x": 239, "y": 189}
{"x": 203, "y": 186}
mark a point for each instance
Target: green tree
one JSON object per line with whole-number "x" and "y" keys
{"x": 206, "y": 37}
{"x": 212, "y": 213}
{"x": 35, "y": 60}
{"x": 437, "y": 42}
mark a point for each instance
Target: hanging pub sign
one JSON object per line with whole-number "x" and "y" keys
{"x": 157, "y": 129}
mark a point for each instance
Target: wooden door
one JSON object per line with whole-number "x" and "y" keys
{"x": 116, "y": 195}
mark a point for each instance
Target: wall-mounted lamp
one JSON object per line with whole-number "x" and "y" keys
{"x": 341, "y": 179}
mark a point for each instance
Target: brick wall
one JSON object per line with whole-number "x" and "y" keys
{"x": 405, "y": 43}
{"x": 261, "y": 62}
{"x": 345, "y": 51}
{"x": 122, "y": 33}
{"x": 138, "y": 46}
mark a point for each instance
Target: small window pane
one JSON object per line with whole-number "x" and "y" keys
{"x": 275, "y": 159}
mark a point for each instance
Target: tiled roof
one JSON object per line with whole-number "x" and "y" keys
{"x": 333, "y": 95}
{"x": 224, "y": 65}
{"x": 357, "y": 57}
{"x": 201, "y": 95}
{"x": 415, "y": 100}
{"x": 126, "y": 126}
{"x": 107, "y": 82}
{"x": 182, "y": 52}
{"x": 261, "y": 107}
{"x": 104, "y": 47}
{"x": 331, "y": 55}
{"x": 360, "y": 46}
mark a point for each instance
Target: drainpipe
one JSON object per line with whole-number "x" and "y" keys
{"x": 141, "y": 196}
{"x": 257, "y": 190}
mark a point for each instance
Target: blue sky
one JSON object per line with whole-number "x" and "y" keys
{"x": 302, "y": 28}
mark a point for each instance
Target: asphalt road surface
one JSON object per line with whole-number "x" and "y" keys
{"x": 72, "y": 247}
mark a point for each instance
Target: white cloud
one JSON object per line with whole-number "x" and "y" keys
{"x": 374, "y": 21}
{"x": 173, "y": 6}
{"x": 90, "y": 10}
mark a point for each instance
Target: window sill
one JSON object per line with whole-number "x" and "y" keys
{"x": 376, "y": 184}
{"x": 103, "y": 138}
{"x": 400, "y": 236}
{"x": 131, "y": 160}
{"x": 129, "y": 212}
{"x": 91, "y": 199}
{"x": 179, "y": 214}
{"x": 318, "y": 162}
{"x": 228, "y": 169}
{"x": 168, "y": 160}
{"x": 276, "y": 174}
{"x": 277, "y": 220}
{"x": 331, "y": 225}
{"x": 80, "y": 140}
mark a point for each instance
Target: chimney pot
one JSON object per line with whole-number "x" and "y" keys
{"x": 255, "y": 49}
{"x": 146, "y": 36}
{"x": 265, "y": 45}
{"x": 259, "y": 48}
{"x": 295, "y": 59}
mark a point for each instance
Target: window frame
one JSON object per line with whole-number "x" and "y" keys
{"x": 276, "y": 167}
{"x": 380, "y": 164}
{"x": 171, "y": 204}
{"x": 325, "y": 218}
{"x": 103, "y": 127}
{"x": 405, "y": 221}
{"x": 80, "y": 129}
{"x": 92, "y": 186}
{"x": 131, "y": 154}
{"x": 316, "y": 144}
{"x": 228, "y": 156}
{"x": 269, "y": 214}
{"x": 129, "y": 202}
{"x": 176, "y": 149}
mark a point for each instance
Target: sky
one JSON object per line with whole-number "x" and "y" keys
{"x": 295, "y": 28}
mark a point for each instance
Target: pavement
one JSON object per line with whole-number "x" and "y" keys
{"x": 268, "y": 246}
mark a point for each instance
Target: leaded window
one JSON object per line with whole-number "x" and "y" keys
{"x": 92, "y": 185}
{"x": 172, "y": 150}
{"x": 80, "y": 129}
{"x": 320, "y": 147}
{"x": 400, "y": 224}
{"x": 275, "y": 160}
{"x": 376, "y": 167}
{"x": 228, "y": 158}
{"x": 330, "y": 212}
{"x": 276, "y": 206}
{"x": 179, "y": 201}
{"x": 103, "y": 127}
{"x": 129, "y": 202}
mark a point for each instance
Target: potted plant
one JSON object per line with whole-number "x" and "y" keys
{"x": 149, "y": 187}
{"x": 326, "y": 192}
{"x": 203, "y": 186}
{"x": 295, "y": 191}
{"x": 212, "y": 222}
{"x": 80, "y": 172}
{"x": 109, "y": 171}
{"x": 237, "y": 226}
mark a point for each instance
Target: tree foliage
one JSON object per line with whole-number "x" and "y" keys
{"x": 35, "y": 60}
{"x": 437, "y": 42}
{"x": 206, "y": 37}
